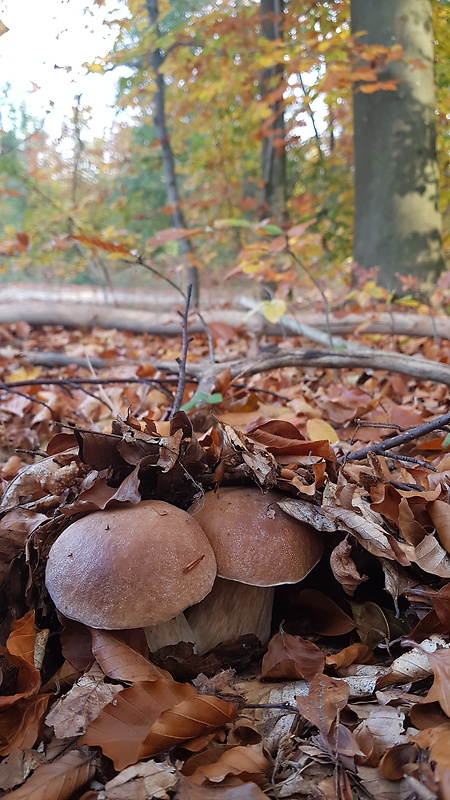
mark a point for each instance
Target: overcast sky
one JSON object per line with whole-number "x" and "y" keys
{"x": 63, "y": 33}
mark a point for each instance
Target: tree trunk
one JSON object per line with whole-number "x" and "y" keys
{"x": 173, "y": 196}
{"x": 397, "y": 219}
{"x": 273, "y": 154}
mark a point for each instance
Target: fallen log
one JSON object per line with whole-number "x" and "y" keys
{"x": 365, "y": 358}
{"x": 74, "y": 315}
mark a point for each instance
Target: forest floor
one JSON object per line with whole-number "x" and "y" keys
{"x": 350, "y": 698}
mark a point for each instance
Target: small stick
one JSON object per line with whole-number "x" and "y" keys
{"x": 184, "y": 351}
{"x": 395, "y": 441}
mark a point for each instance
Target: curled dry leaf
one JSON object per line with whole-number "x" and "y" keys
{"x": 393, "y": 762}
{"x": 21, "y": 640}
{"x": 15, "y": 528}
{"x": 344, "y": 568}
{"x": 413, "y": 665}
{"x": 440, "y": 690}
{"x": 46, "y": 477}
{"x": 326, "y": 698}
{"x": 153, "y": 716}
{"x": 354, "y": 653}
{"x": 25, "y": 678}
{"x": 72, "y": 713}
{"x": 19, "y": 724}
{"x": 290, "y": 658}
{"x": 386, "y": 727}
{"x": 59, "y": 780}
{"x": 437, "y": 741}
{"x": 121, "y": 662}
{"x": 248, "y": 763}
{"x": 147, "y": 779}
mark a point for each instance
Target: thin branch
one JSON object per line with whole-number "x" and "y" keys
{"x": 326, "y": 307}
{"x": 140, "y": 260}
{"x": 395, "y": 441}
{"x": 184, "y": 351}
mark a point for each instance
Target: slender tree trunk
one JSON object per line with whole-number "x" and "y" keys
{"x": 273, "y": 154}
{"x": 160, "y": 120}
{"x": 397, "y": 219}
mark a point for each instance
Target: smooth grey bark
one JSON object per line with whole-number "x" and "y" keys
{"x": 397, "y": 218}
{"x": 273, "y": 158}
{"x": 160, "y": 121}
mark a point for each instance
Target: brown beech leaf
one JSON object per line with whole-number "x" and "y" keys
{"x": 121, "y": 662}
{"x": 74, "y": 711}
{"x": 323, "y": 614}
{"x": 19, "y": 724}
{"x": 25, "y": 678}
{"x": 187, "y": 720}
{"x": 15, "y": 528}
{"x": 290, "y": 658}
{"x": 440, "y": 517}
{"x": 355, "y": 653}
{"x": 327, "y": 696}
{"x": 234, "y": 789}
{"x": 344, "y": 568}
{"x": 414, "y": 665}
{"x": 386, "y": 726}
{"x": 143, "y": 780}
{"x": 393, "y": 762}
{"x": 59, "y": 780}
{"x": 152, "y": 716}
{"x": 22, "y": 638}
{"x": 247, "y": 762}
{"x": 437, "y": 741}
{"x": 122, "y": 726}
{"x": 282, "y": 439}
{"x": 440, "y": 690}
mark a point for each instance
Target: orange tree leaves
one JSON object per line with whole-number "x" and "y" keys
{"x": 152, "y": 716}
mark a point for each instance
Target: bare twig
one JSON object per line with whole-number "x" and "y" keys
{"x": 140, "y": 260}
{"x": 395, "y": 441}
{"x": 184, "y": 350}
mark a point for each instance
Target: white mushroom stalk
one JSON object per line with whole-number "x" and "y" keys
{"x": 257, "y": 547}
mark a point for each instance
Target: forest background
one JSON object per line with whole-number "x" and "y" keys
{"x": 297, "y": 144}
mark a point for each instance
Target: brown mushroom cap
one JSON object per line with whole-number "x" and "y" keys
{"x": 130, "y": 567}
{"x": 254, "y": 541}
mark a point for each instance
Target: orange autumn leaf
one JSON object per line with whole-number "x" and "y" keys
{"x": 152, "y": 716}
{"x": 20, "y": 723}
{"x": 21, "y": 640}
{"x": 108, "y": 247}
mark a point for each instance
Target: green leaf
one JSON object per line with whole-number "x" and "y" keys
{"x": 446, "y": 442}
{"x": 272, "y": 230}
{"x": 231, "y": 223}
{"x": 199, "y": 397}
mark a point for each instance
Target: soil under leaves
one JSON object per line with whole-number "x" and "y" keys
{"x": 351, "y": 696}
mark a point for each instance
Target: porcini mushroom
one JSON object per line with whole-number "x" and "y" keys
{"x": 131, "y": 567}
{"x": 257, "y": 547}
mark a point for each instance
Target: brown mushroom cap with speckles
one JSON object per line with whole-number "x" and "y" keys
{"x": 254, "y": 541}
{"x": 130, "y": 567}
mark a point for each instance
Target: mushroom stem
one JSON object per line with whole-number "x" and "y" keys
{"x": 231, "y": 609}
{"x": 165, "y": 633}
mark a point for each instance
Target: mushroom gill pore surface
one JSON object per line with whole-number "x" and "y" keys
{"x": 130, "y": 567}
